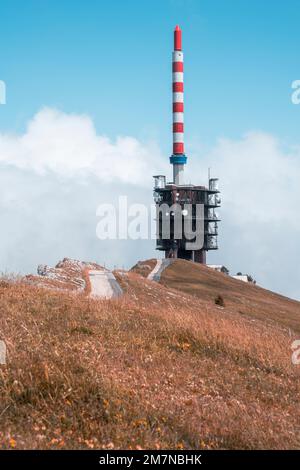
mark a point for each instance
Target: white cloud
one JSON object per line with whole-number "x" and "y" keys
{"x": 54, "y": 176}
{"x": 259, "y": 180}
{"x": 68, "y": 145}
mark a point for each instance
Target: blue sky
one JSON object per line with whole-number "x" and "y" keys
{"x": 111, "y": 59}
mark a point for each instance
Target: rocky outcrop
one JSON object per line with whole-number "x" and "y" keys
{"x": 68, "y": 274}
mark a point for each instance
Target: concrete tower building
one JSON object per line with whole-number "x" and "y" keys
{"x": 187, "y": 222}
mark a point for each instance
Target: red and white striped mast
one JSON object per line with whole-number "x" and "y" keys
{"x": 178, "y": 159}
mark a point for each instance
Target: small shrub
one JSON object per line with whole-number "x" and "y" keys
{"x": 220, "y": 301}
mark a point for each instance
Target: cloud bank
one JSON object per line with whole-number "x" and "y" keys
{"x": 60, "y": 169}
{"x": 259, "y": 179}
{"x": 69, "y": 146}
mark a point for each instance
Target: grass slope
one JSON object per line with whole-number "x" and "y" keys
{"x": 155, "y": 369}
{"x": 246, "y": 299}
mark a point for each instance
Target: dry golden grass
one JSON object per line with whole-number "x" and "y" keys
{"x": 154, "y": 369}
{"x": 246, "y": 299}
{"x": 144, "y": 268}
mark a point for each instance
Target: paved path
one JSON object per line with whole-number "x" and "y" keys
{"x": 155, "y": 270}
{"x": 161, "y": 265}
{"x": 104, "y": 285}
